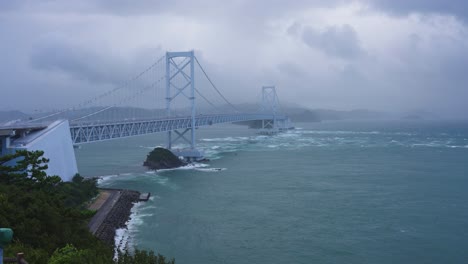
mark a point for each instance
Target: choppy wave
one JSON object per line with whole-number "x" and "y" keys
{"x": 348, "y": 132}
{"x": 211, "y": 169}
{"x": 151, "y": 147}
{"x": 105, "y": 178}
{"x": 340, "y": 132}
{"x": 220, "y": 147}
{"x": 190, "y": 166}
{"x": 225, "y": 139}
{"x": 152, "y": 176}
{"x": 121, "y": 240}
{"x": 438, "y": 145}
{"x": 124, "y": 237}
{"x": 216, "y": 148}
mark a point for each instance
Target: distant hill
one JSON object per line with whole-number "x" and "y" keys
{"x": 419, "y": 115}
{"x": 111, "y": 114}
{"x": 317, "y": 115}
{"x": 6, "y": 116}
{"x": 296, "y": 113}
{"x": 306, "y": 116}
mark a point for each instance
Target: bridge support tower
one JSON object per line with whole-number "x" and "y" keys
{"x": 270, "y": 104}
{"x": 180, "y": 82}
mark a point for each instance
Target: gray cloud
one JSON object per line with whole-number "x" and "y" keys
{"x": 62, "y": 52}
{"x": 294, "y": 30}
{"x": 339, "y": 41}
{"x": 403, "y": 7}
{"x": 9, "y": 5}
{"x": 93, "y": 66}
{"x": 75, "y": 61}
{"x": 251, "y": 9}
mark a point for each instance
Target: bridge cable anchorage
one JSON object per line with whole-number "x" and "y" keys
{"x": 214, "y": 86}
{"x": 100, "y": 96}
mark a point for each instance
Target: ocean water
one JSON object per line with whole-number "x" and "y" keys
{"x": 332, "y": 192}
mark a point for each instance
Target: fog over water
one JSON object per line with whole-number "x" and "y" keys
{"x": 373, "y": 54}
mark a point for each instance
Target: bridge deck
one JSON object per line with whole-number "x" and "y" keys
{"x": 91, "y": 132}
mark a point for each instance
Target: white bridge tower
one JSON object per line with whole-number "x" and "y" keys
{"x": 180, "y": 82}
{"x": 270, "y": 104}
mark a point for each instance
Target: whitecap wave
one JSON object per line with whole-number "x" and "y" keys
{"x": 455, "y": 146}
{"x": 124, "y": 237}
{"x": 121, "y": 241}
{"x": 225, "y": 139}
{"x": 150, "y": 207}
{"x": 105, "y": 178}
{"x": 438, "y": 144}
{"x": 189, "y": 166}
{"x": 211, "y": 169}
{"x": 340, "y": 132}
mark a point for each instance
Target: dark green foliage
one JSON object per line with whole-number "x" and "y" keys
{"x": 79, "y": 191}
{"x": 33, "y": 255}
{"x": 161, "y": 158}
{"x": 28, "y": 171}
{"x": 71, "y": 255}
{"x": 49, "y": 217}
{"x": 158, "y": 154}
{"x": 44, "y": 212}
{"x": 142, "y": 257}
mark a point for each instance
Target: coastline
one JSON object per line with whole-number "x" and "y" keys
{"x": 112, "y": 214}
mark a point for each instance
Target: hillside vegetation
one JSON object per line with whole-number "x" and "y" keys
{"x": 49, "y": 217}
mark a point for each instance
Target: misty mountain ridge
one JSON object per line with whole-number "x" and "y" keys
{"x": 296, "y": 113}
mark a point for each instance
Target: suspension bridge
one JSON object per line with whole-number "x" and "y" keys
{"x": 174, "y": 95}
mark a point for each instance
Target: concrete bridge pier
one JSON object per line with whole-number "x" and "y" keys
{"x": 189, "y": 155}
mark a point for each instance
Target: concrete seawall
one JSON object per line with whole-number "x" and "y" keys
{"x": 113, "y": 207}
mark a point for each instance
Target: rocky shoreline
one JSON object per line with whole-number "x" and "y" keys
{"x": 113, "y": 214}
{"x": 114, "y": 205}
{"x": 161, "y": 158}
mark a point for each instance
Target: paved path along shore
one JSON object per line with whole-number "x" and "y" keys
{"x": 113, "y": 207}
{"x": 100, "y": 200}
{"x": 104, "y": 204}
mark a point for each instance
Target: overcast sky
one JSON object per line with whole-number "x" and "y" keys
{"x": 390, "y": 55}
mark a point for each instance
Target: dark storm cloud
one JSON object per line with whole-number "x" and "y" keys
{"x": 61, "y": 49}
{"x": 75, "y": 61}
{"x": 338, "y": 41}
{"x": 89, "y": 65}
{"x": 271, "y": 8}
{"x": 250, "y": 9}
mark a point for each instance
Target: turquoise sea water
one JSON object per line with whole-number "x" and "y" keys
{"x": 333, "y": 192}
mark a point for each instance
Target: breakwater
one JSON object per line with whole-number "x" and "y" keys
{"x": 113, "y": 213}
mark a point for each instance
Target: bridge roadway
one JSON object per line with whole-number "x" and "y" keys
{"x": 92, "y": 132}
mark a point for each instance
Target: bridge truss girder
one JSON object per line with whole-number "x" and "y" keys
{"x": 83, "y": 133}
